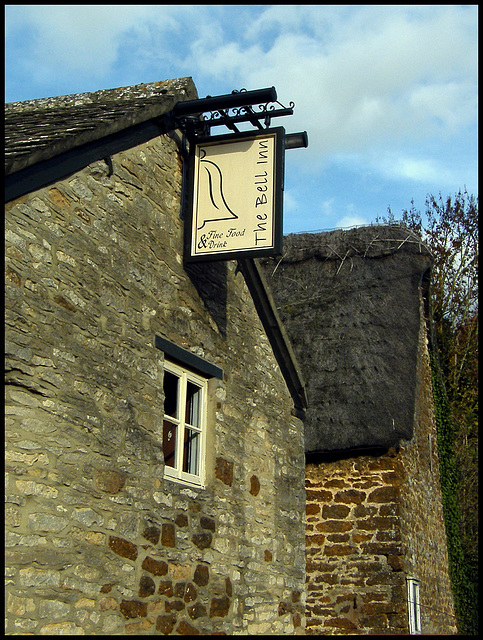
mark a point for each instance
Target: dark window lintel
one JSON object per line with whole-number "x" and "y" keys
{"x": 187, "y": 359}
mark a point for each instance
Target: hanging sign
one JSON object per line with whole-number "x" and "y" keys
{"x": 236, "y": 196}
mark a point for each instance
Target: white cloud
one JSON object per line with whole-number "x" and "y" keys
{"x": 351, "y": 221}
{"x": 87, "y": 39}
{"x": 451, "y": 105}
{"x": 424, "y": 170}
{"x": 327, "y": 207}
{"x": 290, "y": 202}
{"x": 384, "y": 74}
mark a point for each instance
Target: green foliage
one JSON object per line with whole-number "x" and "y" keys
{"x": 464, "y": 585}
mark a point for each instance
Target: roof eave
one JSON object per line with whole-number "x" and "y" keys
{"x": 276, "y": 333}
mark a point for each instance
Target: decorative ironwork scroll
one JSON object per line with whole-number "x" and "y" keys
{"x": 259, "y": 115}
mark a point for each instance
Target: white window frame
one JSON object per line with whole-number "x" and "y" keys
{"x": 414, "y": 606}
{"x": 176, "y": 473}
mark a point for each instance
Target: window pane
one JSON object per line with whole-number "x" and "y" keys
{"x": 417, "y": 620}
{"x": 169, "y": 443}
{"x": 193, "y": 404}
{"x": 191, "y": 451}
{"x": 171, "y": 394}
{"x": 414, "y": 606}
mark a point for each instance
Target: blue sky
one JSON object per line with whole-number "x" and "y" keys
{"x": 387, "y": 93}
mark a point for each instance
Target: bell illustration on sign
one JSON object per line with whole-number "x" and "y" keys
{"x": 215, "y": 187}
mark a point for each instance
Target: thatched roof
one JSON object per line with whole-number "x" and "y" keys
{"x": 350, "y": 303}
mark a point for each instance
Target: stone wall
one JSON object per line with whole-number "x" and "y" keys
{"x": 97, "y": 542}
{"x": 355, "y": 580}
{"x": 373, "y": 521}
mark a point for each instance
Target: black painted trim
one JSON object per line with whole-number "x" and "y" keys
{"x": 187, "y": 359}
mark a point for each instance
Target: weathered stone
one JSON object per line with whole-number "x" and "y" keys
{"x": 383, "y": 494}
{"x": 152, "y": 534}
{"x": 133, "y": 609}
{"x": 395, "y": 562}
{"x": 87, "y": 516}
{"x": 12, "y": 276}
{"x": 107, "y": 604}
{"x": 58, "y": 198}
{"x": 315, "y": 540}
{"x": 190, "y": 593}
{"x": 181, "y": 520}
{"x": 64, "y": 303}
{"x": 284, "y": 607}
{"x": 165, "y": 624}
{"x": 31, "y": 577}
{"x": 350, "y": 496}
{"x": 19, "y": 606}
{"x": 168, "y": 535}
{"x": 297, "y": 619}
{"x": 179, "y": 589}
{"x": 53, "y": 609}
{"x": 340, "y": 623}
{"x": 156, "y": 567}
{"x": 312, "y": 509}
{"x": 174, "y": 605}
{"x": 361, "y": 511}
{"x": 110, "y": 481}
{"x": 254, "y": 485}
{"x": 47, "y": 522}
{"x": 28, "y": 487}
{"x": 207, "y": 523}
{"x": 224, "y": 471}
{"x": 334, "y": 526}
{"x": 166, "y": 588}
{"x": 202, "y": 575}
{"x": 196, "y": 610}
{"x": 202, "y": 540}
{"x": 186, "y": 629}
{"x": 318, "y": 496}
{"x": 146, "y": 587}
{"x": 139, "y": 627}
{"x": 123, "y": 548}
{"x": 61, "y": 628}
{"x": 179, "y": 571}
{"x": 339, "y": 550}
{"x": 335, "y": 511}
{"x": 219, "y": 607}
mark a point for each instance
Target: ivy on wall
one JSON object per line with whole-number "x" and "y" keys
{"x": 465, "y": 597}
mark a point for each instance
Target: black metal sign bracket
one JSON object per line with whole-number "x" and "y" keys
{"x": 229, "y": 110}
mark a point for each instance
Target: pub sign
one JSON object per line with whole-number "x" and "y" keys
{"x": 236, "y": 198}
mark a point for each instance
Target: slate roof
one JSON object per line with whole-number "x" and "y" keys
{"x": 37, "y": 130}
{"x": 350, "y": 303}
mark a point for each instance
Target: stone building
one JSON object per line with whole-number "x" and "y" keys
{"x": 124, "y": 513}
{"x": 354, "y": 304}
